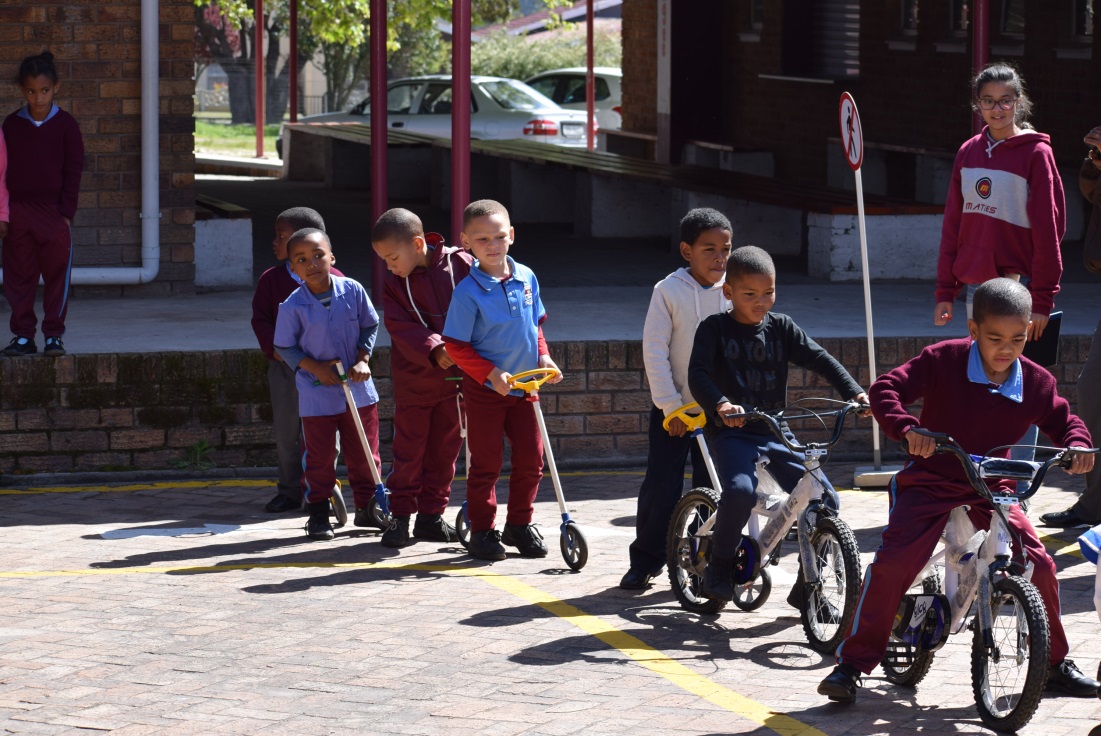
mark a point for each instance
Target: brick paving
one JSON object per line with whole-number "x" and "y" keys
{"x": 184, "y": 608}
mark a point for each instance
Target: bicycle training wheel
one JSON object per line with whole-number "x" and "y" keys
{"x": 575, "y": 550}
{"x": 462, "y": 527}
{"x": 904, "y": 665}
{"x": 686, "y": 551}
{"x": 752, "y": 595}
{"x": 1008, "y": 678}
{"x": 830, "y": 605}
{"x": 339, "y": 508}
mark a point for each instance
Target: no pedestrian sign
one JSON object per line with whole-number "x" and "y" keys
{"x": 852, "y": 134}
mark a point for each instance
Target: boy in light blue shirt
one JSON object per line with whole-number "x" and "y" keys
{"x": 329, "y": 318}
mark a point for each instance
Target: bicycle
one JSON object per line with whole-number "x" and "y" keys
{"x": 828, "y": 551}
{"x": 976, "y": 570}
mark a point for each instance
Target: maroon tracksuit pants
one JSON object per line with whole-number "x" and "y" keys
{"x": 319, "y": 440}
{"x": 919, "y": 511}
{"x": 426, "y": 443}
{"x": 490, "y": 416}
{"x": 39, "y": 244}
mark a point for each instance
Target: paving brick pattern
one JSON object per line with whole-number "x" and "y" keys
{"x": 257, "y": 630}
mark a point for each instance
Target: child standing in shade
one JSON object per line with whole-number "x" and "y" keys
{"x": 45, "y": 162}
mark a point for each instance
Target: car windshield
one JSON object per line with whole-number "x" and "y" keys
{"x": 512, "y": 95}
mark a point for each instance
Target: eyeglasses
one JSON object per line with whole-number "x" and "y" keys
{"x": 1006, "y": 103}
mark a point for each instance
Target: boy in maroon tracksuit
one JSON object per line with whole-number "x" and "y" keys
{"x": 416, "y": 294}
{"x": 982, "y": 393}
{"x": 272, "y": 289}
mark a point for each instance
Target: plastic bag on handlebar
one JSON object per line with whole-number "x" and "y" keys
{"x": 961, "y": 540}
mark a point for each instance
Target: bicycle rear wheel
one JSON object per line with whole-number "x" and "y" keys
{"x": 1008, "y": 677}
{"x": 904, "y": 665}
{"x": 686, "y": 553}
{"x": 831, "y": 604}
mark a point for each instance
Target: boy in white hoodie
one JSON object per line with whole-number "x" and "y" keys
{"x": 680, "y": 302}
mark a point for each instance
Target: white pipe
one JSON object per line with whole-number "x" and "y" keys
{"x": 150, "y": 169}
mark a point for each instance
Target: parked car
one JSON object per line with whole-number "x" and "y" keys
{"x": 567, "y": 88}
{"x": 499, "y": 108}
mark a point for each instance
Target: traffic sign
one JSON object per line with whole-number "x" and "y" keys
{"x": 852, "y": 134}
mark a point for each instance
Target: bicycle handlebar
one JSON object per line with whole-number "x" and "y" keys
{"x": 773, "y": 421}
{"x": 974, "y": 466}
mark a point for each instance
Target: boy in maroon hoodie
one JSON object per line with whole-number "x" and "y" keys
{"x": 415, "y": 297}
{"x": 982, "y": 393}
{"x": 273, "y": 287}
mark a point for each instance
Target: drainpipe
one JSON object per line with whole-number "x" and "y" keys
{"x": 150, "y": 171}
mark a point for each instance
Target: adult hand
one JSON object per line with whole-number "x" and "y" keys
{"x": 727, "y": 412}
{"x": 440, "y": 357}
{"x": 1036, "y": 326}
{"x": 677, "y": 427}
{"x": 919, "y": 444}
{"x": 862, "y": 398}
{"x": 1081, "y": 463}
{"x": 942, "y": 313}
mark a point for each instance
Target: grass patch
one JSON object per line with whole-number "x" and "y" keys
{"x": 232, "y": 140}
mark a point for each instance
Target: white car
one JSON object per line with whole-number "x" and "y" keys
{"x": 499, "y": 108}
{"x": 567, "y": 88}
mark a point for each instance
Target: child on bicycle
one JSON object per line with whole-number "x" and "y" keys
{"x": 680, "y": 301}
{"x": 739, "y": 363}
{"x": 982, "y": 393}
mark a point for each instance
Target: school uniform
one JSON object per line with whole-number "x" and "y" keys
{"x": 45, "y": 163}
{"x": 958, "y": 400}
{"x": 427, "y": 435}
{"x": 272, "y": 289}
{"x": 495, "y": 322}
{"x": 306, "y": 327}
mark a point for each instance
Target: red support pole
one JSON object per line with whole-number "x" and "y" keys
{"x": 258, "y": 56}
{"x": 379, "y": 195}
{"x": 980, "y": 47}
{"x": 460, "y": 114}
{"x": 590, "y": 78}
{"x": 294, "y": 61}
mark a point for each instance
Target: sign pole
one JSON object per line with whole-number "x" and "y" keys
{"x": 878, "y": 460}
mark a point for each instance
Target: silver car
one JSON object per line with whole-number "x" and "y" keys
{"x": 567, "y": 88}
{"x": 499, "y": 109}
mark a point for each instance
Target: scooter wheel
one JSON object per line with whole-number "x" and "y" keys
{"x": 340, "y": 509}
{"x": 462, "y": 527}
{"x": 575, "y": 550}
{"x": 375, "y": 515}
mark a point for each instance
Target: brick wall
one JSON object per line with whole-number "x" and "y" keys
{"x": 116, "y": 412}
{"x": 97, "y": 51}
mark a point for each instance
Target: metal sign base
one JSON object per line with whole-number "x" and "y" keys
{"x": 869, "y": 476}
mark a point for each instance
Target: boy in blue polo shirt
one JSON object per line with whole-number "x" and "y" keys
{"x": 493, "y": 331}
{"x": 329, "y": 318}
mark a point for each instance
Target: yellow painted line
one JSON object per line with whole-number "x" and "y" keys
{"x": 627, "y": 644}
{"x": 1057, "y": 546}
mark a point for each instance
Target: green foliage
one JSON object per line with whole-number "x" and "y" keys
{"x": 195, "y": 457}
{"x": 520, "y": 57}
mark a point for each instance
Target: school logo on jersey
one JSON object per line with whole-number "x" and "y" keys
{"x": 527, "y": 295}
{"x": 983, "y": 187}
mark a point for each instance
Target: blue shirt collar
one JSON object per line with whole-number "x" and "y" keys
{"x": 1012, "y": 389}
{"x": 486, "y": 281}
{"x": 25, "y": 113}
{"x": 293, "y": 274}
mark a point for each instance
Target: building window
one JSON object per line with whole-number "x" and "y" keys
{"x": 1083, "y": 18}
{"x": 961, "y": 16}
{"x": 909, "y": 17}
{"x": 1013, "y": 18}
{"x": 836, "y": 48}
{"x": 756, "y": 15}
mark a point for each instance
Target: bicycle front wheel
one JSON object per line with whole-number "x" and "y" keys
{"x": 686, "y": 550}
{"x": 830, "y": 605}
{"x": 1008, "y": 676}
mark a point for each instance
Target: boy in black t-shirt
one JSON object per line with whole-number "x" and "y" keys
{"x": 740, "y": 362}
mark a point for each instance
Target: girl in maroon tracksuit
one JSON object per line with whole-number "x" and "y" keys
{"x": 45, "y": 161}
{"x": 416, "y": 294}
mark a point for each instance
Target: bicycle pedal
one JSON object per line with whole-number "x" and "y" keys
{"x": 899, "y": 655}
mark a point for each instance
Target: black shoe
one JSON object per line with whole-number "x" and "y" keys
{"x": 841, "y": 684}
{"x": 526, "y": 538}
{"x": 718, "y": 579}
{"x": 486, "y": 545}
{"x": 54, "y": 347}
{"x": 318, "y": 525}
{"x": 20, "y": 346}
{"x": 435, "y": 528}
{"x": 635, "y": 580}
{"x": 364, "y": 518}
{"x": 1066, "y": 678}
{"x": 397, "y": 535}
{"x": 1068, "y": 519}
{"x": 798, "y": 594}
{"x": 282, "y": 504}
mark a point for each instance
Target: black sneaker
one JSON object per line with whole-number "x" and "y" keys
{"x": 54, "y": 347}
{"x": 486, "y": 545}
{"x": 318, "y": 525}
{"x": 1068, "y": 519}
{"x": 840, "y": 685}
{"x": 718, "y": 579}
{"x": 397, "y": 535}
{"x": 1066, "y": 678}
{"x": 20, "y": 346}
{"x": 635, "y": 580}
{"x": 282, "y": 504}
{"x": 526, "y": 538}
{"x": 435, "y": 528}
